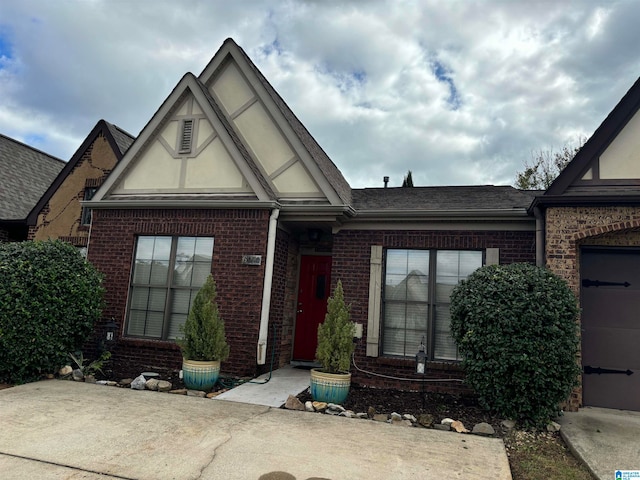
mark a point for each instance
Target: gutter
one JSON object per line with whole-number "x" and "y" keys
{"x": 540, "y": 236}
{"x": 179, "y": 203}
{"x": 266, "y": 291}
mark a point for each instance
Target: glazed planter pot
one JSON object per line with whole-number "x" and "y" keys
{"x": 329, "y": 387}
{"x": 198, "y": 375}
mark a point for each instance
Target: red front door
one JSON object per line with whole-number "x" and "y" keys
{"x": 314, "y": 289}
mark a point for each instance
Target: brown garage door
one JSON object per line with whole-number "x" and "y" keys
{"x": 610, "y": 300}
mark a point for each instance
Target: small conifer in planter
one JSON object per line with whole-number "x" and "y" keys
{"x": 204, "y": 343}
{"x": 335, "y": 347}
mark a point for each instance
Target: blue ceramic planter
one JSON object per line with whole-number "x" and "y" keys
{"x": 329, "y": 387}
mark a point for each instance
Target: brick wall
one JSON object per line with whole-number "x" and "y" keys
{"x": 236, "y": 233}
{"x": 568, "y": 228}
{"x": 351, "y": 257}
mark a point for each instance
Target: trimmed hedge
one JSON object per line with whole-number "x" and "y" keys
{"x": 50, "y": 298}
{"x": 515, "y": 326}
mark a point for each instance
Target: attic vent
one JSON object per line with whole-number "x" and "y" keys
{"x": 187, "y": 136}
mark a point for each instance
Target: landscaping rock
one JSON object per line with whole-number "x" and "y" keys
{"x": 553, "y": 427}
{"x": 411, "y": 418}
{"x": 126, "y": 382}
{"x": 443, "y": 427}
{"x": 425, "y": 419}
{"x": 459, "y": 427}
{"x": 213, "y": 394}
{"x": 308, "y": 406}
{"x": 319, "y": 406}
{"x": 371, "y": 412}
{"x": 196, "y": 393}
{"x": 90, "y": 379}
{"x": 483, "y": 428}
{"x": 381, "y": 417}
{"x": 362, "y": 416}
{"x": 65, "y": 371}
{"x": 447, "y": 421}
{"x": 138, "y": 383}
{"x": 509, "y": 424}
{"x": 293, "y": 403}
{"x": 78, "y": 376}
{"x": 335, "y": 406}
{"x": 395, "y": 417}
{"x": 179, "y": 391}
{"x": 152, "y": 384}
{"x": 164, "y": 386}
{"x": 347, "y": 413}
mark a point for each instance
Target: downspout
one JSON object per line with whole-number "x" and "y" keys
{"x": 540, "y": 236}
{"x": 266, "y": 292}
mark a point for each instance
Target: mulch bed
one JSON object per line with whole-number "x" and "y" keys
{"x": 464, "y": 408}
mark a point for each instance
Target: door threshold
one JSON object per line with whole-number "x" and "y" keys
{"x": 304, "y": 364}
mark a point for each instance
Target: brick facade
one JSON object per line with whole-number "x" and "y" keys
{"x": 351, "y": 264}
{"x": 569, "y": 228}
{"x": 236, "y": 233}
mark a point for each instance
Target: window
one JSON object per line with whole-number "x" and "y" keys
{"x": 167, "y": 274}
{"x": 85, "y": 218}
{"x": 417, "y": 288}
{"x": 186, "y": 138}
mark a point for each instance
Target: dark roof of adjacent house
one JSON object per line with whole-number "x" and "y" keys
{"x": 25, "y": 174}
{"x": 443, "y": 199}
{"x": 119, "y": 140}
{"x": 326, "y": 165}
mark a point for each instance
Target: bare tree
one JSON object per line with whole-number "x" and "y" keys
{"x": 545, "y": 165}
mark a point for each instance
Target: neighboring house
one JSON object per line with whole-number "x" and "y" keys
{"x": 590, "y": 219}
{"x": 59, "y": 213}
{"x": 25, "y": 174}
{"x": 224, "y": 178}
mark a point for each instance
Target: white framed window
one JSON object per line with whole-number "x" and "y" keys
{"x": 167, "y": 273}
{"x": 416, "y": 296}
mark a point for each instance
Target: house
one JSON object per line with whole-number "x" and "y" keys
{"x": 25, "y": 174}
{"x": 590, "y": 221}
{"x": 58, "y": 213}
{"x": 224, "y": 178}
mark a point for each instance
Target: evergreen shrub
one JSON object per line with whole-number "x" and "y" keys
{"x": 515, "y": 326}
{"x": 50, "y": 298}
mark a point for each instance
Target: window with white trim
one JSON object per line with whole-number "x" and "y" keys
{"x": 167, "y": 274}
{"x": 416, "y": 292}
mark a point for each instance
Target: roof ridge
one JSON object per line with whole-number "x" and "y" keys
{"x": 32, "y": 148}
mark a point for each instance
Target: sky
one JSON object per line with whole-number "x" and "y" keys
{"x": 459, "y": 92}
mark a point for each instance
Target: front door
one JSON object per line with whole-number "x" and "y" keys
{"x": 610, "y": 294}
{"x": 313, "y": 292}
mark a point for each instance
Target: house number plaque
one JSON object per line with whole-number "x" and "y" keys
{"x": 251, "y": 259}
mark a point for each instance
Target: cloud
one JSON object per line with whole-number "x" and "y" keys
{"x": 457, "y": 92}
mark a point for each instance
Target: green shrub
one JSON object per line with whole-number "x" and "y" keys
{"x": 204, "y": 338}
{"x": 50, "y": 298}
{"x": 335, "y": 335}
{"x": 515, "y": 326}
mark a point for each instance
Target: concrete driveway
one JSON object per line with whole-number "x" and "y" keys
{"x": 66, "y": 430}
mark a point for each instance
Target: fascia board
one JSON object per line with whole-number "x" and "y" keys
{"x": 176, "y": 204}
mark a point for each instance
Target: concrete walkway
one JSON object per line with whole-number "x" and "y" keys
{"x": 67, "y": 430}
{"x": 605, "y": 440}
{"x": 274, "y": 393}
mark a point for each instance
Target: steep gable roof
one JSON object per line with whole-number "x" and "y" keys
{"x": 188, "y": 85}
{"x": 579, "y": 172}
{"x": 118, "y": 139}
{"x": 25, "y": 174}
{"x": 317, "y": 155}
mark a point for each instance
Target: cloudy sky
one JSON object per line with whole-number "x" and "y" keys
{"x": 458, "y": 92}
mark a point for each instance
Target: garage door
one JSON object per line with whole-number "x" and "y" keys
{"x": 610, "y": 298}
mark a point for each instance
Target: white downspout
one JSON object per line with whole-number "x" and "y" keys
{"x": 266, "y": 292}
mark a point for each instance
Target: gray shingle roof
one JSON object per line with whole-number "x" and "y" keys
{"x": 123, "y": 139}
{"x": 25, "y": 174}
{"x": 482, "y": 197}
